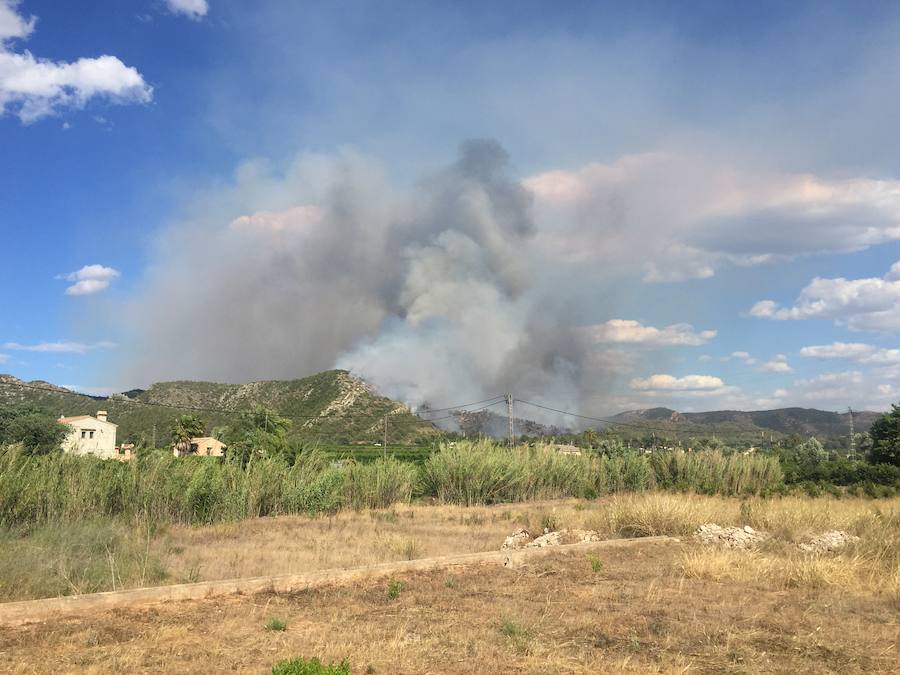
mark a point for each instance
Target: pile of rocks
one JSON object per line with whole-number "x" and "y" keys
{"x": 517, "y": 539}
{"x": 729, "y": 537}
{"x": 523, "y": 539}
{"x": 833, "y": 540}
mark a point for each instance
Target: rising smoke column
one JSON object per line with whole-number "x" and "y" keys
{"x": 430, "y": 296}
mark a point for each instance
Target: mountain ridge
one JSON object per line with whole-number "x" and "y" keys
{"x": 335, "y": 406}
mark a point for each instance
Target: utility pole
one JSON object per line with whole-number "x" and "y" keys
{"x": 154, "y": 436}
{"x": 509, "y": 420}
{"x": 384, "y": 445}
{"x": 852, "y": 434}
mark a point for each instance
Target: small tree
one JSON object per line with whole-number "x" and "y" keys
{"x": 184, "y": 429}
{"x": 810, "y": 453}
{"x": 38, "y": 432}
{"x": 885, "y": 433}
{"x": 261, "y": 432}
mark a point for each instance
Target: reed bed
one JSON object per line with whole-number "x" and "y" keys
{"x": 161, "y": 488}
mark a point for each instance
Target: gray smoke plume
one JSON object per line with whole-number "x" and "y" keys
{"x": 431, "y": 297}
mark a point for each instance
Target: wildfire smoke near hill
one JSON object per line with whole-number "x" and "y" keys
{"x": 432, "y": 294}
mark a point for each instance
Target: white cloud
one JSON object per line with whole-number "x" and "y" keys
{"x": 4, "y": 358}
{"x": 743, "y": 356}
{"x": 628, "y": 331}
{"x": 853, "y": 351}
{"x": 687, "y": 214}
{"x": 671, "y": 383}
{"x": 778, "y": 364}
{"x": 32, "y": 87}
{"x": 14, "y": 26}
{"x": 90, "y": 279}
{"x": 194, "y": 9}
{"x": 861, "y": 304}
{"x": 296, "y": 219}
{"x": 837, "y": 390}
{"x": 62, "y": 347}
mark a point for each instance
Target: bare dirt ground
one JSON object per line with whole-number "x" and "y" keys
{"x": 632, "y": 610}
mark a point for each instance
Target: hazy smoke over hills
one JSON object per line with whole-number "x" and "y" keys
{"x": 432, "y": 297}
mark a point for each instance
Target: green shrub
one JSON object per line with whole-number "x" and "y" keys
{"x": 394, "y": 588}
{"x": 276, "y": 624}
{"x": 301, "y": 666}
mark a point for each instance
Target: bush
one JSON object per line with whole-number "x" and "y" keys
{"x": 38, "y": 432}
{"x": 885, "y": 433}
{"x": 276, "y": 624}
{"x": 301, "y": 666}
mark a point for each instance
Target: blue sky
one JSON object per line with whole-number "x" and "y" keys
{"x": 697, "y": 208}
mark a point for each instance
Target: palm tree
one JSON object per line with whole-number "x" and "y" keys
{"x": 185, "y": 428}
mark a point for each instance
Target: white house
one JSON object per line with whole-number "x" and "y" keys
{"x": 90, "y": 435}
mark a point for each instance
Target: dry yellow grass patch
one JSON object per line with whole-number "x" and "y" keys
{"x": 558, "y": 615}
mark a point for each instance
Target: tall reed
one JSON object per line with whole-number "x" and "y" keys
{"x": 162, "y": 488}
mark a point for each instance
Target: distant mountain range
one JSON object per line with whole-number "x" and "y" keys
{"x": 335, "y": 407}
{"x": 734, "y": 426}
{"x": 744, "y": 425}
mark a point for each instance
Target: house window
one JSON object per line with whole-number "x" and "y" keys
{"x": 91, "y": 433}
{"x": 83, "y": 433}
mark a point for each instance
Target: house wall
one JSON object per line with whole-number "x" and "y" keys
{"x": 80, "y": 442}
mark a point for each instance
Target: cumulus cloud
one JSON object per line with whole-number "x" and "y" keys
{"x": 32, "y": 87}
{"x": 193, "y": 9}
{"x": 688, "y": 214}
{"x": 14, "y": 25}
{"x": 778, "y": 364}
{"x": 62, "y": 347}
{"x": 871, "y": 304}
{"x": 629, "y": 331}
{"x": 90, "y": 279}
{"x": 853, "y": 351}
{"x": 672, "y": 383}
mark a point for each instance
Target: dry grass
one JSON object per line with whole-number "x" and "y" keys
{"x": 296, "y": 544}
{"x": 664, "y": 608}
{"x": 293, "y": 544}
{"x": 555, "y": 616}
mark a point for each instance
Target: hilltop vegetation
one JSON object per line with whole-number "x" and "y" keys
{"x": 331, "y": 407}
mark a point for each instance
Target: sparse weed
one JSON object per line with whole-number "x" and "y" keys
{"x": 549, "y": 522}
{"x": 275, "y": 624}
{"x": 411, "y": 549}
{"x": 450, "y": 582}
{"x": 520, "y": 635}
{"x": 475, "y": 519}
{"x": 301, "y": 666}
{"x": 394, "y": 588}
{"x": 596, "y": 564}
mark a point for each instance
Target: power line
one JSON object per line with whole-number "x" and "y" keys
{"x": 429, "y": 409}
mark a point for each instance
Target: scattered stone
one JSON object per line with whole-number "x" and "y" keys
{"x": 522, "y": 539}
{"x": 729, "y": 537}
{"x": 516, "y": 540}
{"x": 833, "y": 540}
